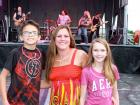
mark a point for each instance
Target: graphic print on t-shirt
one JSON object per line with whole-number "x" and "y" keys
{"x": 32, "y": 67}
{"x": 100, "y": 88}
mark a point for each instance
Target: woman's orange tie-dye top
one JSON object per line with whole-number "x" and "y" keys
{"x": 65, "y": 88}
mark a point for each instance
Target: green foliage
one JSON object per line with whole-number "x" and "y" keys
{"x": 130, "y": 32}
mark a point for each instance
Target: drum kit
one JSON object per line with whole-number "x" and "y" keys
{"x": 49, "y": 26}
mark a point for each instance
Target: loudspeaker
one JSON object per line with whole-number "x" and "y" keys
{"x": 77, "y": 39}
{"x": 13, "y": 35}
{"x": 115, "y": 38}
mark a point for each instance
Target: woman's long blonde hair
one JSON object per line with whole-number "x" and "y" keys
{"x": 108, "y": 62}
{"x": 88, "y": 14}
{"x": 52, "y": 49}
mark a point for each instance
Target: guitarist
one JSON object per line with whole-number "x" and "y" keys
{"x": 83, "y": 24}
{"x": 96, "y": 22}
{"x": 19, "y": 17}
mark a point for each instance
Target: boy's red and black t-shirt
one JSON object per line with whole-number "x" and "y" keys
{"x": 25, "y": 68}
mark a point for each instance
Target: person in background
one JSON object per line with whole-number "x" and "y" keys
{"x": 96, "y": 23}
{"x": 25, "y": 66}
{"x": 83, "y": 24}
{"x": 137, "y": 37}
{"x": 64, "y": 63}
{"x": 99, "y": 77}
{"x": 19, "y": 17}
{"x": 63, "y": 18}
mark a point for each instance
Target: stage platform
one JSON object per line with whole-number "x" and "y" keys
{"x": 126, "y": 57}
{"x": 128, "y": 87}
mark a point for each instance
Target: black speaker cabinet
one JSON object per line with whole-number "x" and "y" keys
{"x": 13, "y": 35}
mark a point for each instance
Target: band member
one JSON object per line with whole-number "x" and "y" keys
{"x": 83, "y": 24}
{"x": 63, "y": 18}
{"x": 19, "y": 17}
{"x": 96, "y": 22}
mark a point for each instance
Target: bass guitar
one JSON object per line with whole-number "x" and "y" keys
{"x": 94, "y": 27}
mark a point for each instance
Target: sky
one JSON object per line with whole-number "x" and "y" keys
{"x": 133, "y": 15}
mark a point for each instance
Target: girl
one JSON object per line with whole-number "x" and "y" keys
{"x": 99, "y": 77}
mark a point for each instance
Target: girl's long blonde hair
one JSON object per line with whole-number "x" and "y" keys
{"x": 52, "y": 49}
{"x": 108, "y": 62}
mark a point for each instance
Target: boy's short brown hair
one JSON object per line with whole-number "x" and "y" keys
{"x": 29, "y": 22}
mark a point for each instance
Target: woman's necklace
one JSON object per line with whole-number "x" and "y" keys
{"x": 62, "y": 59}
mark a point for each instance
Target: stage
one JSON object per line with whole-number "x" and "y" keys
{"x": 126, "y": 57}
{"x": 128, "y": 87}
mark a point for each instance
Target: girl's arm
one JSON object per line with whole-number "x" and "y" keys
{"x": 83, "y": 94}
{"x": 3, "y": 90}
{"x": 115, "y": 94}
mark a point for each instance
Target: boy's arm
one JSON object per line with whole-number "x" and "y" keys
{"x": 115, "y": 95}
{"x": 3, "y": 90}
{"x": 83, "y": 94}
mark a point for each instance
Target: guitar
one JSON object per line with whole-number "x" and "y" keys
{"x": 93, "y": 28}
{"x": 21, "y": 20}
{"x": 68, "y": 23}
{"x": 84, "y": 22}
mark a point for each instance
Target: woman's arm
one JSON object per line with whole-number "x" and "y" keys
{"x": 69, "y": 19}
{"x": 115, "y": 94}
{"x": 101, "y": 22}
{"x": 79, "y": 22}
{"x": 81, "y": 58}
{"x": 3, "y": 91}
{"x": 83, "y": 94}
{"x": 14, "y": 17}
{"x": 24, "y": 17}
{"x": 45, "y": 84}
{"x": 58, "y": 20}
{"x": 84, "y": 58}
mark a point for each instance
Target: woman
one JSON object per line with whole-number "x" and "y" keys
{"x": 63, "y": 18}
{"x": 63, "y": 67}
{"x": 96, "y": 23}
{"x": 19, "y": 17}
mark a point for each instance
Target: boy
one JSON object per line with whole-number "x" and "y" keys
{"x": 24, "y": 64}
